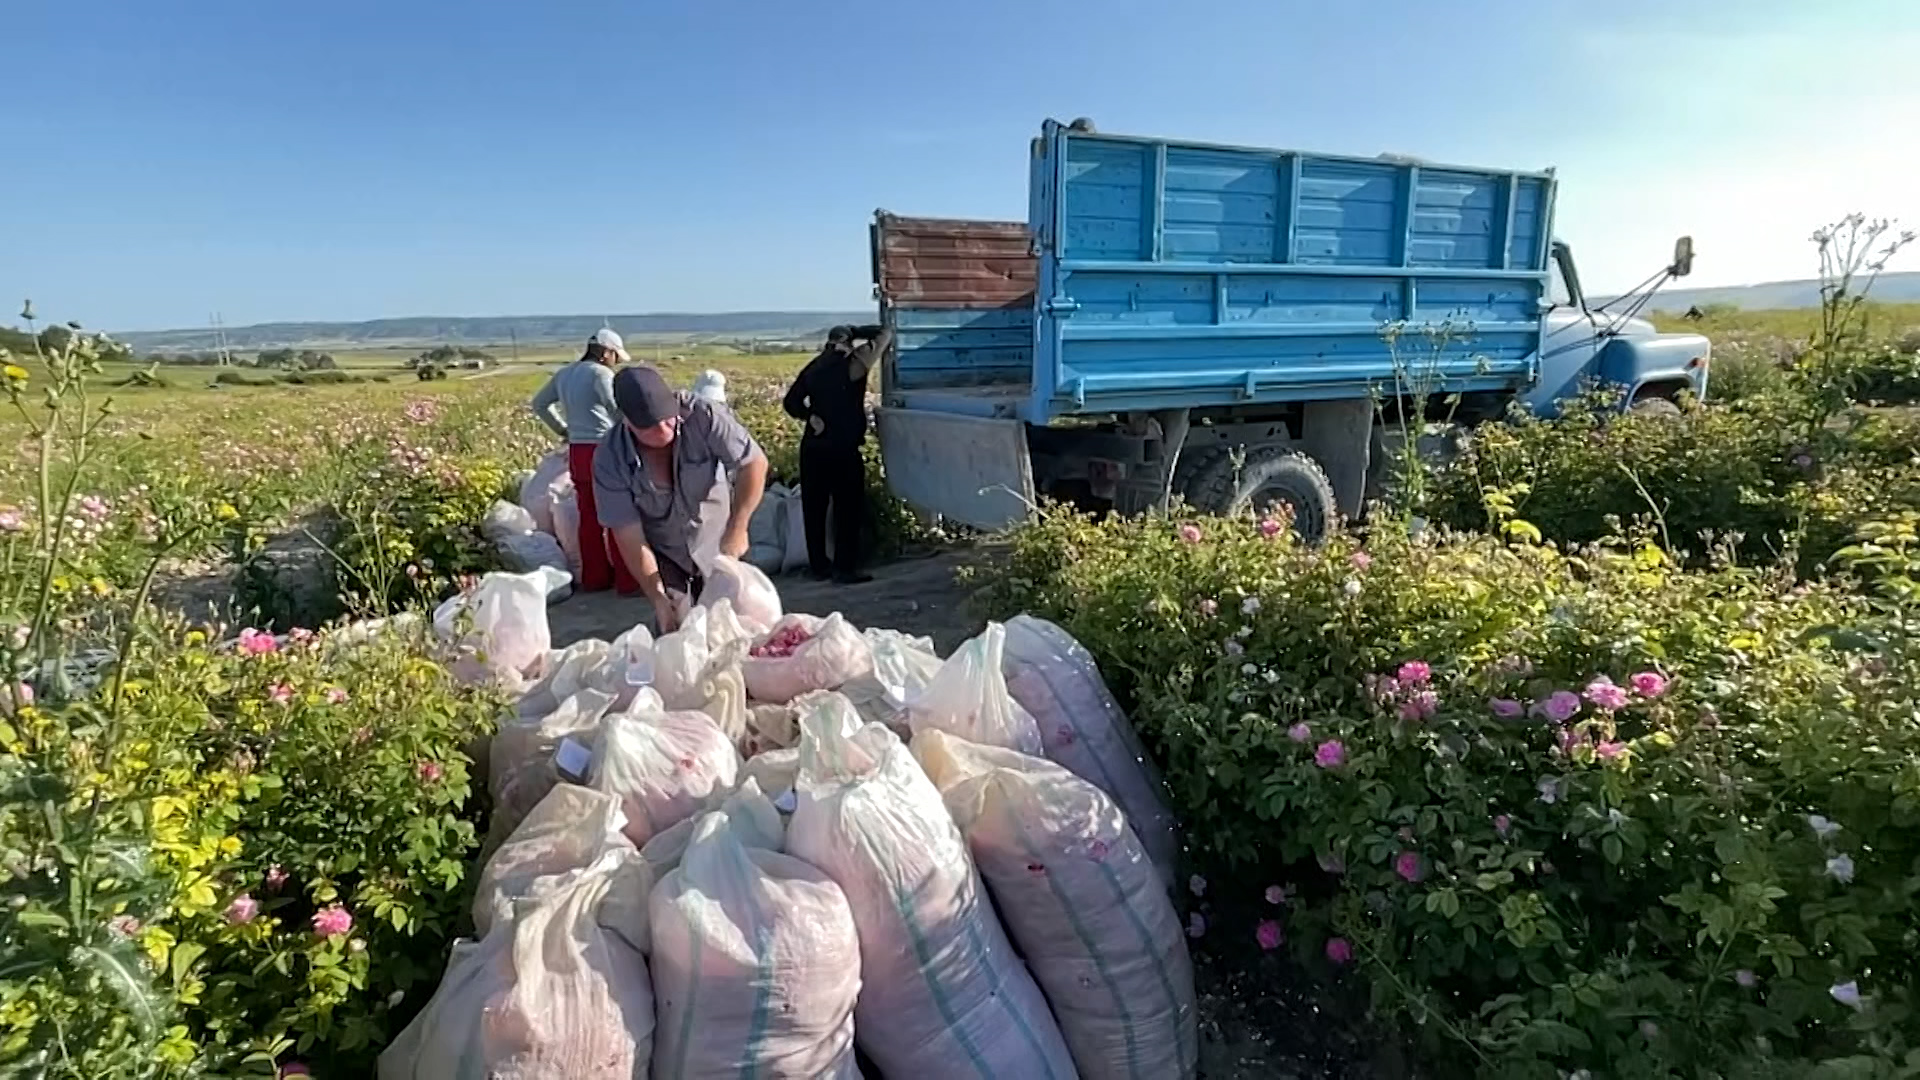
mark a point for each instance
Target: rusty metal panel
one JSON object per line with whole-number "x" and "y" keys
{"x": 942, "y": 263}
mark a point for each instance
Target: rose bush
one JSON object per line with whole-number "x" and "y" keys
{"x": 1566, "y": 810}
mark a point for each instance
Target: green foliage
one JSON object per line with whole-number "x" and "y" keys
{"x": 1650, "y": 888}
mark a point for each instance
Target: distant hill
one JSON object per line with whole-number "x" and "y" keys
{"x": 495, "y": 330}
{"x": 1901, "y": 288}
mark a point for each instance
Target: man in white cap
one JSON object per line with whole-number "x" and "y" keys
{"x": 584, "y": 392}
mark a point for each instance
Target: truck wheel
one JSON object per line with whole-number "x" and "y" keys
{"x": 1270, "y": 475}
{"x": 1193, "y": 464}
{"x": 1654, "y": 406}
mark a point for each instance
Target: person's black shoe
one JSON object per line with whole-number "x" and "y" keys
{"x": 851, "y": 577}
{"x": 819, "y": 575}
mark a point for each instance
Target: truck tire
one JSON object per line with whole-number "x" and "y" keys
{"x": 1665, "y": 408}
{"x": 1271, "y": 474}
{"x": 1194, "y": 463}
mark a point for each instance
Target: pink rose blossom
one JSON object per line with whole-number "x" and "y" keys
{"x": 257, "y": 642}
{"x": 336, "y": 696}
{"x": 1300, "y": 733}
{"x": 300, "y": 635}
{"x": 1190, "y": 533}
{"x": 1420, "y": 706}
{"x": 1407, "y": 865}
{"x": 1506, "y": 708}
{"x": 332, "y": 921}
{"x": 429, "y": 771}
{"x": 1414, "y": 673}
{"x": 1270, "y": 527}
{"x": 1209, "y": 608}
{"x": 1605, "y": 695}
{"x": 1339, "y": 952}
{"x": 1360, "y": 560}
{"x": 1196, "y": 925}
{"x": 125, "y": 926}
{"x": 1502, "y": 824}
{"x": 1649, "y": 684}
{"x": 1607, "y": 751}
{"x": 280, "y": 693}
{"x": 22, "y": 694}
{"x": 242, "y": 910}
{"x": 1276, "y": 895}
{"x": 12, "y": 520}
{"x": 1330, "y": 754}
{"x": 1268, "y": 934}
{"x": 1560, "y": 706}
{"x": 276, "y": 877}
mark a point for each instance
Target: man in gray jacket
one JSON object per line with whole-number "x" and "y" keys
{"x": 584, "y": 392}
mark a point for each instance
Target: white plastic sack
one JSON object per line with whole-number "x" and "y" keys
{"x": 832, "y": 655}
{"x": 1079, "y": 896}
{"x": 504, "y": 519}
{"x": 771, "y": 727}
{"x": 756, "y": 965}
{"x": 523, "y": 554}
{"x": 968, "y": 697}
{"x": 566, "y": 526}
{"x": 1084, "y": 729}
{"x": 942, "y": 993}
{"x": 767, "y": 530}
{"x": 587, "y": 664}
{"x": 796, "y": 536}
{"x": 664, "y": 766}
{"x": 502, "y": 624}
{"x": 902, "y": 667}
{"x": 537, "y": 491}
{"x": 683, "y": 660}
{"x": 752, "y": 818}
{"x": 550, "y": 993}
{"x": 521, "y": 769}
{"x": 751, "y": 592}
{"x": 569, "y": 830}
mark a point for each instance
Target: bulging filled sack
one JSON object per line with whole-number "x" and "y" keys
{"x": 968, "y": 697}
{"x": 1084, "y": 729}
{"x": 504, "y": 519}
{"x": 538, "y": 490}
{"x": 802, "y": 654}
{"x": 775, "y": 771}
{"x": 663, "y": 766}
{"x": 1081, "y": 899}
{"x": 500, "y": 628}
{"x": 568, "y": 830}
{"x": 529, "y": 552}
{"x": 683, "y": 659}
{"x": 521, "y": 765}
{"x": 749, "y": 590}
{"x": 566, "y": 525}
{"x": 549, "y": 993}
{"x": 756, "y": 965}
{"x": 747, "y": 812}
{"x": 942, "y": 993}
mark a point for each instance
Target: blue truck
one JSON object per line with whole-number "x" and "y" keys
{"x": 1232, "y": 326}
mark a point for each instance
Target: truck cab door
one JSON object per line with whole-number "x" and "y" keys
{"x": 1569, "y": 339}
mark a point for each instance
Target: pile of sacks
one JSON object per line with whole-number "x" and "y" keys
{"x": 543, "y": 529}
{"x": 779, "y": 845}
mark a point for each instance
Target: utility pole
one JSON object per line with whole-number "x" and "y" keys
{"x": 514, "y": 337}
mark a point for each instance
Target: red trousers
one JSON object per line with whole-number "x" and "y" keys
{"x": 600, "y": 563}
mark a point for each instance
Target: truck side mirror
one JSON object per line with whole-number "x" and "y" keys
{"x": 1682, "y": 257}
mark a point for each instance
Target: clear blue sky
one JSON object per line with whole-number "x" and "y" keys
{"x": 351, "y": 159}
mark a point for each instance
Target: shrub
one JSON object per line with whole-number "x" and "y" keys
{"x": 1702, "y": 869}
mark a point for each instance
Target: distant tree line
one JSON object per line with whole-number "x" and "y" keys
{"x": 443, "y": 356}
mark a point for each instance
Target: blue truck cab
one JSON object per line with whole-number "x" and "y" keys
{"x": 1231, "y": 326}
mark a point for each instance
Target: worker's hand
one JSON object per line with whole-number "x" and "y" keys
{"x": 665, "y": 617}
{"x": 817, "y": 425}
{"x": 733, "y": 543}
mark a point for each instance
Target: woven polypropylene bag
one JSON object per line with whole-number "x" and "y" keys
{"x": 833, "y": 655}
{"x": 756, "y": 964}
{"x": 537, "y": 491}
{"x": 1083, "y": 902}
{"x": 569, "y": 830}
{"x": 1084, "y": 729}
{"x": 664, "y": 766}
{"x": 520, "y": 760}
{"x": 902, "y": 667}
{"x": 552, "y": 992}
{"x": 942, "y": 995}
{"x": 746, "y": 587}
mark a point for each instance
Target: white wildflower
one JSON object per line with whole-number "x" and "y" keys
{"x": 1840, "y": 868}
{"x": 1250, "y": 606}
{"x": 1822, "y": 827}
{"x": 1846, "y": 993}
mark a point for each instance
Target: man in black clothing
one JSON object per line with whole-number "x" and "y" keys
{"x": 830, "y": 397}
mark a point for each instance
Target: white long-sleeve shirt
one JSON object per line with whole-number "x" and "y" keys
{"x": 584, "y": 392}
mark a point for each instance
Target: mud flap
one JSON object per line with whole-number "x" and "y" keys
{"x": 970, "y": 469}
